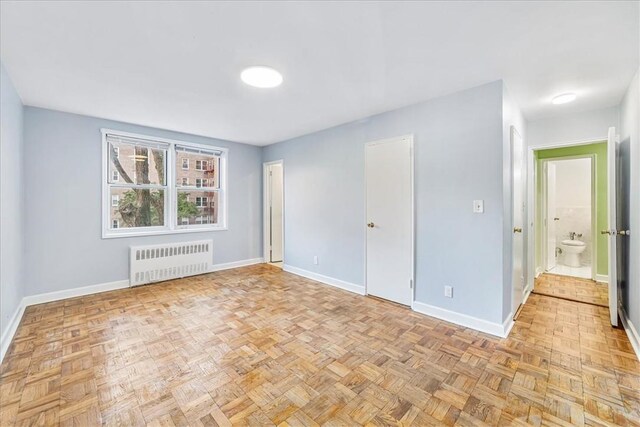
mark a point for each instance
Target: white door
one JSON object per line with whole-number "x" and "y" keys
{"x": 517, "y": 161}
{"x": 612, "y": 153}
{"x": 275, "y": 209}
{"x": 551, "y": 216}
{"x": 389, "y": 209}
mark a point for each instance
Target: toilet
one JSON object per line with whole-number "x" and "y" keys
{"x": 572, "y": 250}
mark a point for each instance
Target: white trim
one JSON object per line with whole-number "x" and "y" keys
{"x": 351, "y": 287}
{"x": 602, "y": 278}
{"x": 266, "y": 195}
{"x": 412, "y": 275}
{"x": 10, "y": 331}
{"x": 8, "y": 334}
{"x": 171, "y": 225}
{"x": 498, "y": 329}
{"x": 75, "y": 292}
{"x": 236, "y": 264}
{"x": 631, "y": 331}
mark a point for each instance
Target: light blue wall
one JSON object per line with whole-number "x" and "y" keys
{"x": 630, "y": 137}
{"x": 11, "y": 225}
{"x": 459, "y": 158}
{"x": 62, "y": 207}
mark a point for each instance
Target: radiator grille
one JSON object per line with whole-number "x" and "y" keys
{"x": 169, "y": 261}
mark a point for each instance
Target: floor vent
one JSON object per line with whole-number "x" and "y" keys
{"x": 169, "y": 261}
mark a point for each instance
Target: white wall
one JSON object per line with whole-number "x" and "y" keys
{"x": 459, "y": 158}
{"x": 588, "y": 125}
{"x": 630, "y": 134}
{"x": 11, "y": 201}
{"x": 63, "y": 209}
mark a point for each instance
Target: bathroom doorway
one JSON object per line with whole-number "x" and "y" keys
{"x": 570, "y": 197}
{"x": 569, "y": 216}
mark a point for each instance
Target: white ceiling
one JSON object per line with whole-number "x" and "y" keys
{"x": 176, "y": 65}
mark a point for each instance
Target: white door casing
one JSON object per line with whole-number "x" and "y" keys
{"x": 389, "y": 219}
{"x": 612, "y": 151}
{"x": 550, "y": 219}
{"x": 517, "y": 224}
{"x": 276, "y": 206}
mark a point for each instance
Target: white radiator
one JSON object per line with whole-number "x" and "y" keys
{"x": 169, "y": 261}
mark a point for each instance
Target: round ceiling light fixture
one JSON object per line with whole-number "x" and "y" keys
{"x": 261, "y": 76}
{"x": 564, "y": 98}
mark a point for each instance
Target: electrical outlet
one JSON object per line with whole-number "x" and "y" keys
{"x": 315, "y": 259}
{"x": 448, "y": 291}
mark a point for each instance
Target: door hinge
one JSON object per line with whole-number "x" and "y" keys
{"x": 410, "y": 283}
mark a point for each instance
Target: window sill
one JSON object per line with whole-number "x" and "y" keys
{"x": 138, "y": 233}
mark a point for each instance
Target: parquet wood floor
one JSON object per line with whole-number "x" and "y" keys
{"x": 259, "y": 346}
{"x": 573, "y": 288}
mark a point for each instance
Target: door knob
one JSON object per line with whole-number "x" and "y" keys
{"x": 371, "y": 225}
{"x": 517, "y": 230}
{"x": 609, "y": 232}
{"x": 624, "y": 232}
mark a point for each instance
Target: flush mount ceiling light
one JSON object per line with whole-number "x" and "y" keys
{"x": 261, "y": 76}
{"x": 563, "y": 98}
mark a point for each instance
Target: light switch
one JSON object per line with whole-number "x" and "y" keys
{"x": 478, "y": 206}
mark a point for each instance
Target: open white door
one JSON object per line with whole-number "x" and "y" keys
{"x": 517, "y": 161}
{"x": 389, "y": 209}
{"x": 551, "y": 217}
{"x": 612, "y": 153}
{"x": 276, "y": 206}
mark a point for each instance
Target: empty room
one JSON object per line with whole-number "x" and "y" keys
{"x": 319, "y": 213}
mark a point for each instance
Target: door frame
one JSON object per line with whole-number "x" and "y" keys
{"x": 513, "y": 131}
{"x": 532, "y": 205}
{"x": 410, "y": 138}
{"x": 594, "y": 210}
{"x": 266, "y": 193}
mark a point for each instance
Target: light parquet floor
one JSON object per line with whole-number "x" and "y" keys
{"x": 573, "y": 288}
{"x": 259, "y": 346}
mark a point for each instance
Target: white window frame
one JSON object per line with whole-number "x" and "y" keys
{"x": 183, "y": 160}
{"x": 115, "y": 175}
{"x": 116, "y": 222}
{"x": 171, "y": 223}
{"x": 185, "y": 181}
{"x": 115, "y": 200}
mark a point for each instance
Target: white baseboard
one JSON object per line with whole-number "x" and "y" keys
{"x": 10, "y": 331}
{"x": 497, "y": 329}
{"x": 75, "y": 292}
{"x": 236, "y": 264}
{"x": 351, "y": 287}
{"x": 631, "y": 331}
{"x": 602, "y": 278}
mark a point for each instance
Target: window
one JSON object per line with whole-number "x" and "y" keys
{"x": 202, "y": 165}
{"x": 149, "y": 189}
{"x": 201, "y": 182}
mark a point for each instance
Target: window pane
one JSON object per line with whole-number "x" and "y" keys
{"x": 137, "y": 208}
{"x": 203, "y": 170}
{"x": 136, "y": 164}
{"x": 197, "y": 207}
